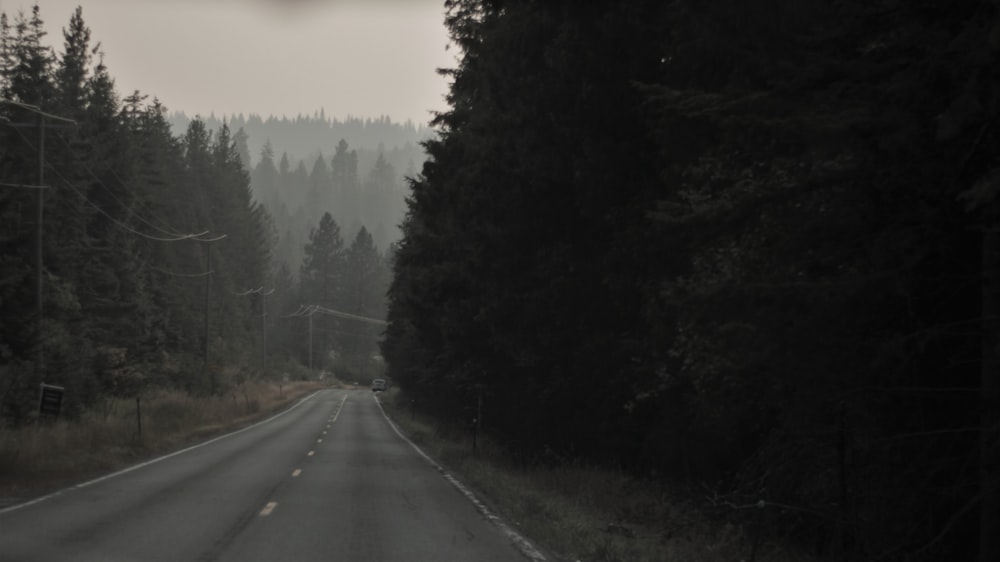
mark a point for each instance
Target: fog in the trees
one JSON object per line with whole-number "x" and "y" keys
{"x": 746, "y": 251}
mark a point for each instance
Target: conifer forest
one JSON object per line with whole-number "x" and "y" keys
{"x": 747, "y": 249}
{"x": 173, "y": 259}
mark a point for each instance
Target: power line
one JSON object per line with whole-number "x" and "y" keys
{"x": 39, "y": 218}
{"x": 37, "y": 110}
{"x": 349, "y": 316}
{"x": 309, "y": 310}
{"x": 171, "y": 231}
{"x": 188, "y": 275}
{"x": 120, "y": 224}
{"x": 303, "y": 311}
{"x": 216, "y": 239}
{"x": 23, "y": 186}
{"x": 257, "y": 291}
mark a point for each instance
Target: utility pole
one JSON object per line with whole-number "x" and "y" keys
{"x": 310, "y": 341}
{"x": 41, "y": 125}
{"x": 263, "y": 334}
{"x": 39, "y": 212}
{"x": 263, "y": 331}
{"x": 208, "y": 288}
{"x": 263, "y": 321}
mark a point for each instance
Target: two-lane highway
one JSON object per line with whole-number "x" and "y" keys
{"x": 327, "y": 480}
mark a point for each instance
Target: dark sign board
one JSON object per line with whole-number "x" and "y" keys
{"x": 51, "y": 400}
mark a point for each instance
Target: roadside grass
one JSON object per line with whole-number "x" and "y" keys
{"x": 37, "y": 459}
{"x": 583, "y": 513}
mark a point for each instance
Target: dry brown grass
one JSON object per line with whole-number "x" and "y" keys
{"x": 36, "y": 459}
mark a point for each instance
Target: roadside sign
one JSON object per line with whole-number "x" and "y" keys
{"x": 51, "y": 400}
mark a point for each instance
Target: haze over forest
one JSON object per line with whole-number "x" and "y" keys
{"x": 161, "y": 234}
{"x": 743, "y": 254}
{"x": 303, "y": 184}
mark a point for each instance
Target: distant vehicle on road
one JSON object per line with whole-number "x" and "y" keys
{"x": 378, "y": 384}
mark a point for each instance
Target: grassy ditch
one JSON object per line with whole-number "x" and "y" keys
{"x": 579, "y": 512}
{"x": 36, "y": 459}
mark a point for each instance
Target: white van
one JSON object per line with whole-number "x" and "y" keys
{"x": 378, "y": 384}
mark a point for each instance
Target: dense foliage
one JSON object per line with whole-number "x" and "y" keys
{"x": 750, "y": 245}
{"x": 159, "y": 268}
{"x": 134, "y": 263}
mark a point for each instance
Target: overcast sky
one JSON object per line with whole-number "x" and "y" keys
{"x": 364, "y": 58}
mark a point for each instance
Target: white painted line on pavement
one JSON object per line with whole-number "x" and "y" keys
{"x": 319, "y": 440}
{"x": 310, "y": 453}
{"x": 521, "y": 543}
{"x": 297, "y": 472}
{"x": 268, "y": 509}
{"x": 158, "y": 459}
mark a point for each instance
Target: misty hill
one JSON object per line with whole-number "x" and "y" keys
{"x": 291, "y": 164}
{"x": 303, "y": 136}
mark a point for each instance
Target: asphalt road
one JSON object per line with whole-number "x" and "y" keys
{"x": 327, "y": 480}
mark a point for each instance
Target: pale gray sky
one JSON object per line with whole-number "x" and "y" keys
{"x": 280, "y": 57}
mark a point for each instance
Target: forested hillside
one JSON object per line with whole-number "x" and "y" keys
{"x": 134, "y": 259}
{"x": 304, "y": 167}
{"x": 749, "y": 248}
{"x": 302, "y": 136}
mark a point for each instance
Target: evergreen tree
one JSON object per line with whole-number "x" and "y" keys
{"x": 73, "y": 68}
{"x": 344, "y": 174}
{"x": 241, "y": 142}
{"x": 320, "y": 191}
{"x": 378, "y": 192}
{"x": 322, "y": 276}
{"x": 364, "y": 294}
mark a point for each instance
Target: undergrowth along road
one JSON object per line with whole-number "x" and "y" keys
{"x": 35, "y": 460}
{"x": 580, "y": 512}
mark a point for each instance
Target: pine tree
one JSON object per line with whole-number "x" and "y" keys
{"x": 322, "y": 276}
{"x": 364, "y": 294}
{"x": 74, "y": 65}
{"x": 344, "y": 174}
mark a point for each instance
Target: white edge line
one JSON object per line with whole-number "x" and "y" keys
{"x": 16, "y": 507}
{"x": 518, "y": 540}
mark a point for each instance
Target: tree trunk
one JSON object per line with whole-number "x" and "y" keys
{"x": 989, "y": 444}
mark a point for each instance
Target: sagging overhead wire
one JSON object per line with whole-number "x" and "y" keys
{"x": 23, "y": 186}
{"x": 257, "y": 291}
{"x": 303, "y": 311}
{"x": 187, "y": 275}
{"x": 37, "y": 110}
{"x": 168, "y": 230}
{"x": 115, "y": 221}
{"x": 349, "y": 316}
{"x": 309, "y": 310}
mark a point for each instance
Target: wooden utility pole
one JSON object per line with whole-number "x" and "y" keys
{"x": 263, "y": 330}
{"x": 41, "y": 124}
{"x": 989, "y": 440}
{"x": 208, "y": 289}
{"x": 39, "y": 264}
